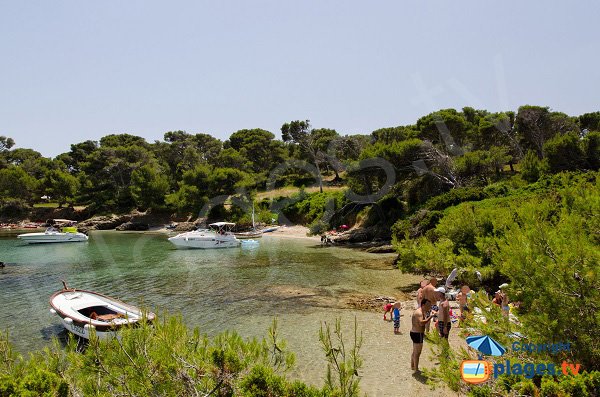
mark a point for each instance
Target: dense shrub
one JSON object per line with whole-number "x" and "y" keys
{"x": 564, "y": 153}
{"x": 454, "y": 197}
{"x": 169, "y": 359}
{"x": 308, "y": 208}
{"x": 417, "y": 225}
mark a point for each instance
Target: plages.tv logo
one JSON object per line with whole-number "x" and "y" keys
{"x": 479, "y": 371}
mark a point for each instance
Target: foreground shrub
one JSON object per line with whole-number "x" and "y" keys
{"x": 169, "y": 359}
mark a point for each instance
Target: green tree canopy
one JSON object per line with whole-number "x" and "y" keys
{"x": 17, "y": 184}
{"x": 259, "y": 147}
{"x": 590, "y": 121}
{"x": 446, "y": 128}
{"x": 6, "y": 143}
{"x": 392, "y": 134}
{"x": 310, "y": 144}
{"x": 564, "y": 153}
{"x": 61, "y": 186}
{"x": 149, "y": 186}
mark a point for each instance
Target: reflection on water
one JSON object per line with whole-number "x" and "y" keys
{"x": 239, "y": 288}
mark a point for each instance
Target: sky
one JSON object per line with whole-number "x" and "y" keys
{"x": 72, "y": 71}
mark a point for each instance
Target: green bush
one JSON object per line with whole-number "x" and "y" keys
{"x": 417, "y": 225}
{"x": 532, "y": 168}
{"x": 525, "y": 388}
{"x": 35, "y": 382}
{"x": 564, "y": 153}
{"x": 306, "y": 208}
{"x": 550, "y": 388}
{"x": 169, "y": 359}
{"x": 454, "y": 197}
{"x": 480, "y": 391}
{"x": 262, "y": 382}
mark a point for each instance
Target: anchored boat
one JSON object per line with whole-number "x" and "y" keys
{"x": 81, "y": 311}
{"x": 218, "y": 235}
{"x": 60, "y": 231}
{"x": 252, "y": 234}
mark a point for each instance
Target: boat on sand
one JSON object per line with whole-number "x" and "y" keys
{"x": 82, "y": 311}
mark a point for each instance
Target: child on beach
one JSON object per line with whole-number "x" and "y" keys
{"x": 387, "y": 308}
{"x": 463, "y": 303}
{"x": 396, "y": 307}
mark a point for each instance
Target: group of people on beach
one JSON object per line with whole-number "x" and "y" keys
{"x": 431, "y": 305}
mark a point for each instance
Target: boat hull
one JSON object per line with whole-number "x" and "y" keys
{"x": 46, "y": 238}
{"x": 248, "y": 235}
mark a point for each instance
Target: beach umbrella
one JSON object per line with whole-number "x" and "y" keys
{"x": 486, "y": 345}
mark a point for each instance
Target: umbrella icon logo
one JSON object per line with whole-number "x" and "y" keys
{"x": 479, "y": 371}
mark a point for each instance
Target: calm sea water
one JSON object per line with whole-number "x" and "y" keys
{"x": 242, "y": 289}
{"x": 212, "y": 289}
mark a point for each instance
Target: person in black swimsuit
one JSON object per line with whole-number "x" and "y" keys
{"x": 417, "y": 332}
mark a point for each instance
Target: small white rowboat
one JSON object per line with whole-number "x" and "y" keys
{"x": 81, "y": 311}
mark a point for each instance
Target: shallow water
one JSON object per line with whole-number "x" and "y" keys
{"x": 295, "y": 280}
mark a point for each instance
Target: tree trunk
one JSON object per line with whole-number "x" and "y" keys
{"x": 319, "y": 177}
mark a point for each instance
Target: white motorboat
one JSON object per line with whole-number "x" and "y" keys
{"x": 55, "y": 234}
{"x": 218, "y": 235}
{"x": 82, "y": 311}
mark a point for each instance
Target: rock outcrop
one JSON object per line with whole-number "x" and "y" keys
{"x": 184, "y": 227}
{"x": 133, "y": 226}
{"x": 103, "y": 222}
{"x": 382, "y": 249}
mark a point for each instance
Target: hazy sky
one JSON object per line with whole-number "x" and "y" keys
{"x": 78, "y": 70}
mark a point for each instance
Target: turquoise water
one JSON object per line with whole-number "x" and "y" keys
{"x": 214, "y": 289}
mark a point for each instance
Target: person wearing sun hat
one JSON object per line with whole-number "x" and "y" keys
{"x": 444, "y": 322}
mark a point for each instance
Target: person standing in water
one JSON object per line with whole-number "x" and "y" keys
{"x": 417, "y": 332}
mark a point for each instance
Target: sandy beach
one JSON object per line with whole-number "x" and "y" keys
{"x": 295, "y": 231}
